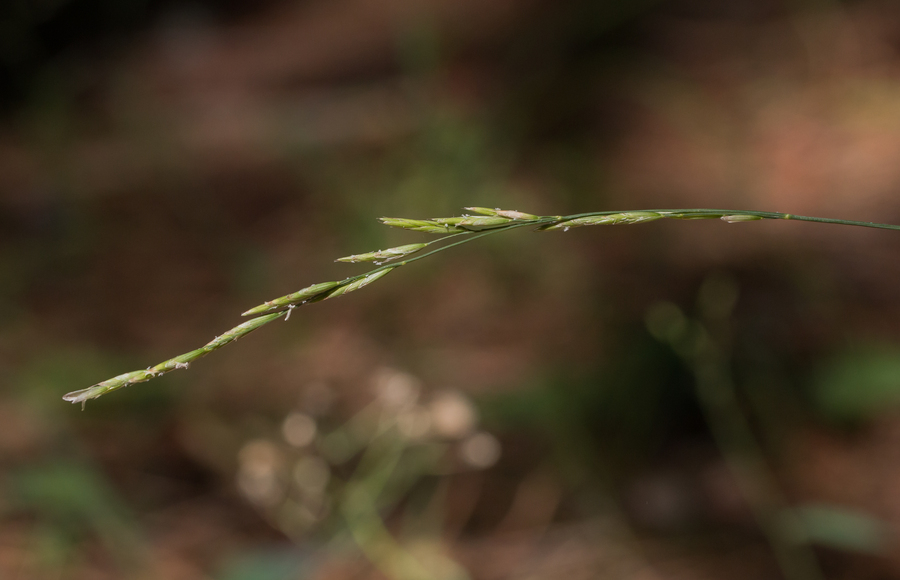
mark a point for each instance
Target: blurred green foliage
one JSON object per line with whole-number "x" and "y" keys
{"x": 842, "y": 528}
{"x": 858, "y": 382}
{"x": 74, "y": 504}
{"x": 285, "y": 564}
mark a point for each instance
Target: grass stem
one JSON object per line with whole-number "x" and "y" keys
{"x": 469, "y": 229}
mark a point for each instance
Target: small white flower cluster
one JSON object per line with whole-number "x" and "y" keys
{"x": 448, "y": 416}
{"x": 294, "y": 477}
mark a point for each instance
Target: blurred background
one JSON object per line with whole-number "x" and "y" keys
{"x": 677, "y": 400}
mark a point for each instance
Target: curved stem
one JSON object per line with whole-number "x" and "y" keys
{"x": 274, "y": 310}
{"x": 714, "y": 213}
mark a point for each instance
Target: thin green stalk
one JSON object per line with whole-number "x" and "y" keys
{"x": 360, "y": 508}
{"x": 720, "y": 213}
{"x": 488, "y": 222}
{"x": 705, "y": 346}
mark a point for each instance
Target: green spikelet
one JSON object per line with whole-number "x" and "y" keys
{"x": 426, "y": 226}
{"x": 384, "y": 255}
{"x": 628, "y": 217}
{"x": 298, "y": 297}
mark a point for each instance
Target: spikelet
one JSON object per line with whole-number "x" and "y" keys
{"x": 356, "y": 285}
{"x": 483, "y": 221}
{"x": 298, "y": 297}
{"x": 384, "y": 255}
{"x": 628, "y": 217}
{"x": 733, "y": 219}
{"x": 507, "y": 213}
{"x": 482, "y": 210}
{"x": 516, "y": 215}
{"x": 427, "y": 226}
{"x": 179, "y": 362}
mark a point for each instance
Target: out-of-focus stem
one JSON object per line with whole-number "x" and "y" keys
{"x": 704, "y": 346}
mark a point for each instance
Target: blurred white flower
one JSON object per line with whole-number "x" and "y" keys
{"x": 259, "y": 456}
{"x": 396, "y": 390}
{"x": 481, "y": 450}
{"x": 452, "y": 415}
{"x": 298, "y": 429}
{"x": 257, "y": 476}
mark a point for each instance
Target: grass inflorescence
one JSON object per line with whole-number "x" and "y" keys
{"x": 467, "y": 228}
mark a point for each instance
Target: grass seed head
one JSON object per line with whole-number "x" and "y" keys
{"x": 357, "y": 284}
{"x": 388, "y": 254}
{"x": 492, "y": 220}
{"x": 482, "y": 210}
{"x": 483, "y": 221}
{"x": 426, "y": 226}
{"x": 449, "y": 221}
{"x": 628, "y": 217}
{"x": 506, "y": 213}
{"x": 109, "y": 385}
{"x": 297, "y": 297}
{"x": 249, "y": 326}
{"x": 516, "y": 215}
